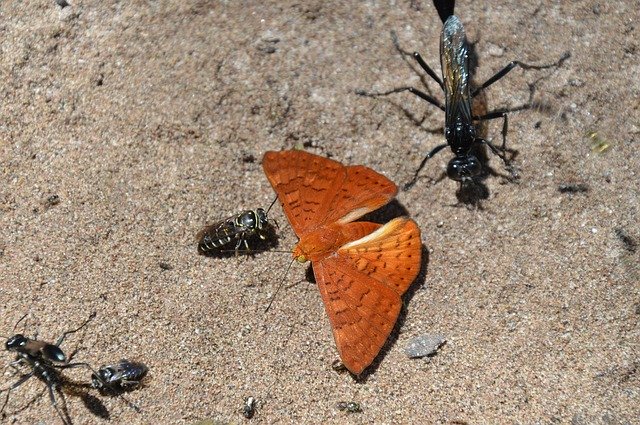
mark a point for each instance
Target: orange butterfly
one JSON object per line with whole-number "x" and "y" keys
{"x": 361, "y": 268}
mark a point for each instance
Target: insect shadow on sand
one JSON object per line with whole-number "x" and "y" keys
{"x": 466, "y": 111}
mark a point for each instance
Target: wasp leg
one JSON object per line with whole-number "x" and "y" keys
{"x": 422, "y": 95}
{"x": 498, "y": 114}
{"x": 502, "y": 150}
{"x": 504, "y": 71}
{"x": 428, "y": 69}
{"x": 434, "y": 151}
{"x": 63, "y": 417}
{"x": 80, "y": 364}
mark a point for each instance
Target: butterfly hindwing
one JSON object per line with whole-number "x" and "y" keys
{"x": 391, "y": 255}
{"x": 362, "y": 311}
{"x": 361, "y": 287}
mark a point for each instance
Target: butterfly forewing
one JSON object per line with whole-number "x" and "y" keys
{"x": 363, "y": 191}
{"x": 316, "y": 190}
{"x": 304, "y": 183}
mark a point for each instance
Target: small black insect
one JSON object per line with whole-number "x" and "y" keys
{"x": 573, "y": 188}
{"x": 349, "y": 407}
{"x": 45, "y": 361}
{"x": 249, "y": 408}
{"x": 236, "y": 228}
{"x": 122, "y": 376}
{"x": 460, "y": 123}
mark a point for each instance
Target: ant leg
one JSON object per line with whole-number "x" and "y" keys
{"x": 434, "y": 151}
{"x": 504, "y": 71}
{"x": 64, "y": 335}
{"x": 15, "y": 385}
{"x": 64, "y": 418}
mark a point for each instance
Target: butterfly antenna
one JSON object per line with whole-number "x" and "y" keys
{"x": 279, "y": 286}
{"x": 253, "y": 251}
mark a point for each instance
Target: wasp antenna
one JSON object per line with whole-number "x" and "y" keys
{"x": 269, "y": 209}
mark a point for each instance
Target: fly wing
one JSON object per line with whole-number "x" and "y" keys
{"x": 361, "y": 288}
{"x": 454, "y": 59}
{"x": 315, "y": 190}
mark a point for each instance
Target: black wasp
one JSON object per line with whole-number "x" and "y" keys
{"x": 236, "y": 228}
{"x": 119, "y": 377}
{"x": 45, "y": 360}
{"x": 460, "y": 128}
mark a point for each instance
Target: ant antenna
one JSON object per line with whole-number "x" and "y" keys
{"x": 19, "y": 320}
{"x": 279, "y": 286}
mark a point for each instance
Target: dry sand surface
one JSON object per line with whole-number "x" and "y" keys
{"x": 150, "y": 119}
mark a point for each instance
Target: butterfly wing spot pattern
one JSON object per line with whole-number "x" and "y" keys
{"x": 362, "y": 287}
{"x": 361, "y": 268}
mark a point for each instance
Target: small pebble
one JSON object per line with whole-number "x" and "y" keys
{"x": 424, "y": 345}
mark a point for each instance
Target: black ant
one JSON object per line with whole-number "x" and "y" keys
{"x": 45, "y": 360}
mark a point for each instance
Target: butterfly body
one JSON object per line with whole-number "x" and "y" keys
{"x": 323, "y": 242}
{"x": 361, "y": 268}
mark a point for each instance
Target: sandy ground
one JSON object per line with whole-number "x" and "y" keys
{"x": 149, "y": 119}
